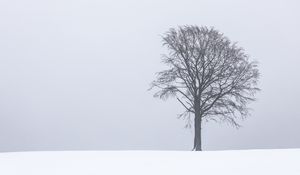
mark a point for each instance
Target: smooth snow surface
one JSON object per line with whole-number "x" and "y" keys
{"x": 254, "y": 162}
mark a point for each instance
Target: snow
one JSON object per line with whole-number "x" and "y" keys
{"x": 247, "y": 162}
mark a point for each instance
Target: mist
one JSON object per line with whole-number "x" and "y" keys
{"x": 75, "y": 74}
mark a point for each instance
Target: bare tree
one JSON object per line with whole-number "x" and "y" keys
{"x": 211, "y": 77}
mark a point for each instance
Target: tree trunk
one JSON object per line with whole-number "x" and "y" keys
{"x": 197, "y": 137}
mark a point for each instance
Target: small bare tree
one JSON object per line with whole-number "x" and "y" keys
{"x": 211, "y": 77}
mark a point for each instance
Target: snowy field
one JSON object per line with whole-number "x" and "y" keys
{"x": 252, "y": 162}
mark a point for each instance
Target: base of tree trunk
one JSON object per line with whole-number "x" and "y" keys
{"x": 197, "y": 137}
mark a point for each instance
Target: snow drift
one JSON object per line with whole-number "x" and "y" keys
{"x": 248, "y": 162}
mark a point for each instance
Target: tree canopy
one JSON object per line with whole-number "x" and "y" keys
{"x": 210, "y": 76}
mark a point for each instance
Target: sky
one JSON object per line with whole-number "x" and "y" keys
{"x": 74, "y": 74}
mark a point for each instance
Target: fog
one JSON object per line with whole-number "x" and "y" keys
{"x": 75, "y": 74}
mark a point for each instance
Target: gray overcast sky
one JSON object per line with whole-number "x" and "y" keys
{"x": 74, "y": 73}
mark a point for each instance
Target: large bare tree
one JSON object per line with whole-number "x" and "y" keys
{"x": 211, "y": 77}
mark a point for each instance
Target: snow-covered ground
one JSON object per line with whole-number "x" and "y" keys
{"x": 250, "y": 162}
